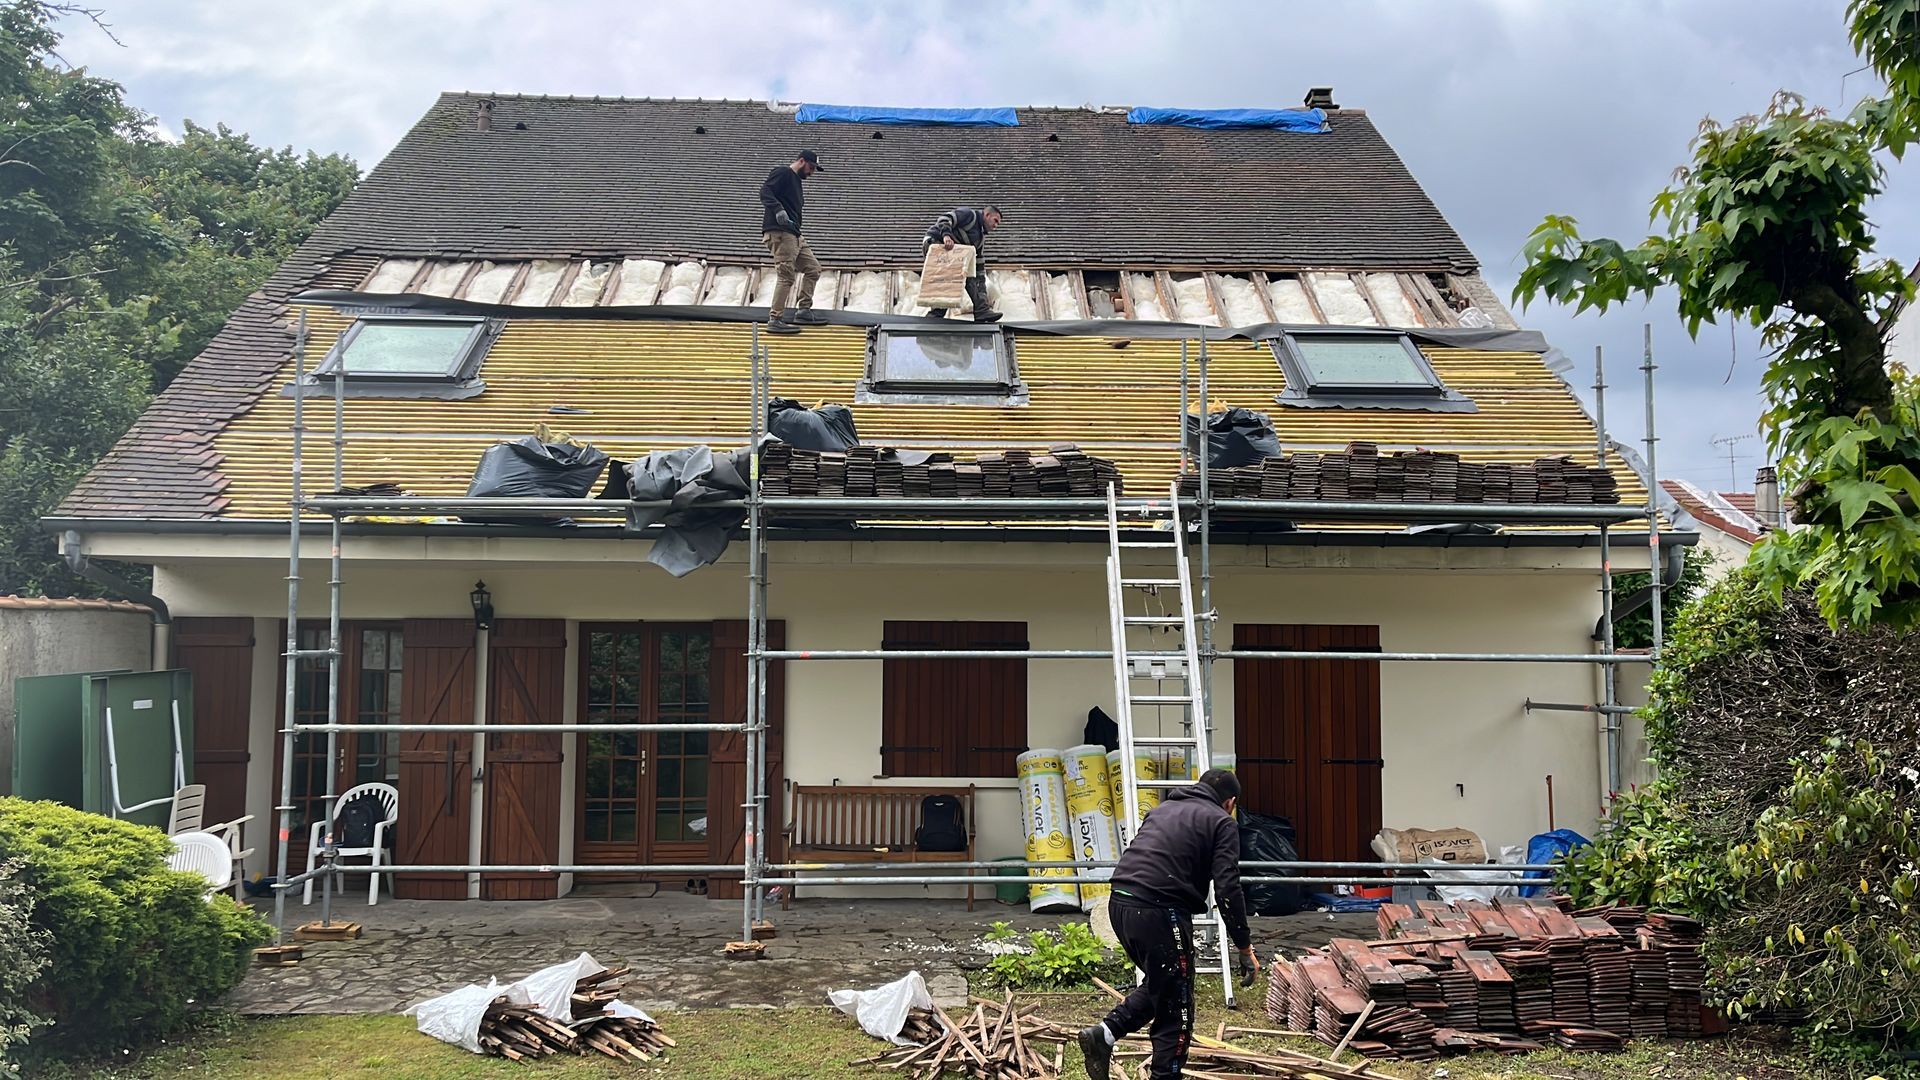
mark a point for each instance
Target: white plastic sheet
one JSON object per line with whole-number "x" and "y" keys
{"x": 551, "y": 988}
{"x": 882, "y": 1011}
{"x": 455, "y": 1018}
{"x": 1509, "y": 856}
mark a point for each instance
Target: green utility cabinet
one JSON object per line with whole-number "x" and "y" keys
{"x": 116, "y": 743}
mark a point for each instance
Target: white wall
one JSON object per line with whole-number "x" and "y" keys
{"x": 62, "y": 641}
{"x": 1459, "y": 749}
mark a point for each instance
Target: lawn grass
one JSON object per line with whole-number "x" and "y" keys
{"x": 743, "y": 1044}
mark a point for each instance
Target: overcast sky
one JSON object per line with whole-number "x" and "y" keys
{"x": 1506, "y": 110}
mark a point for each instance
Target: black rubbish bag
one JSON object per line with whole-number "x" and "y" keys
{"x": 528, "y": 468}
{"x": 1264, "y": 838}
{"x": 828, "y": 429}
{"x": 1101, "y": 730}
{"x": 693, "y": 533}
{"x": 1235, "y": 437}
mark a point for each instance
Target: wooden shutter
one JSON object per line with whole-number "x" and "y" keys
{"x": 726, "y": 779}
{"x": 219, "y": 653}
{"x": 953, "y": 718}
{"x": 526, "y": 684}
{"x": 436, "y": 771}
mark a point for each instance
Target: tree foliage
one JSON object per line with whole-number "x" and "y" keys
{"x": 1768, "y": 225}
{"x": 121, "y": 255}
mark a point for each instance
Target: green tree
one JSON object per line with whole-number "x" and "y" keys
{"x": 1768, "y": 225}
{"x": 121, "y": 255}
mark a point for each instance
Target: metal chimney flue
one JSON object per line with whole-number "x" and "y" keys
{"x": 1321, "y": 97}
{"x": 1766, "y": 497}
{"x": 483, "y": 115}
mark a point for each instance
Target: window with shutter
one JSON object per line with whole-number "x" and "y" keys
{"x": 960, "y": 718}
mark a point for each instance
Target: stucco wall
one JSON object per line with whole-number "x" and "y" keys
{"x": 59, "y": 641}
{"x": 1459, "y": 749}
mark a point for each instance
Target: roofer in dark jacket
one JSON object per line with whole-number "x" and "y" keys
{"x": 965, "y": 225}
{"x": 1187, "y": 844}
{"x": 784, "y": 199}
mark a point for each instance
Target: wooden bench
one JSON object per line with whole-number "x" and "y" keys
{"x": 837, "y": 824}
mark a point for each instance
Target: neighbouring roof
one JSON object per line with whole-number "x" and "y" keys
{"x": 1731, "y": 512}
{"x": 75, "y": 603}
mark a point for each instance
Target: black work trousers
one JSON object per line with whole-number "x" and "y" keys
{"x": 1159, "y": 941}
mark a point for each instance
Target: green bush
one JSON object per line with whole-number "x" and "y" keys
{"x": 1070, "y": 957}
{"x": 23, "y": 956}
{"x": 133, "y": 945}
{"x": 1650, "y": 856}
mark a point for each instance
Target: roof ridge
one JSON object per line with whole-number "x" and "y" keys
{"x": 649, "y": 99}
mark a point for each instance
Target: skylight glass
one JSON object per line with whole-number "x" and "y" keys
{"x": 391, "y": 348}
{"x": 944, "y": 358}
{"x": 1360, "y": 362}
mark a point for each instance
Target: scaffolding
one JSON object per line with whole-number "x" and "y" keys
{"x": 758, "y": 873}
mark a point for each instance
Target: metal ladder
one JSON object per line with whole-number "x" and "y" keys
{"x": 1160, "y": 675}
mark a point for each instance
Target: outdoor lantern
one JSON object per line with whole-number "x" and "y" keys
{"x": 482, "y": 606}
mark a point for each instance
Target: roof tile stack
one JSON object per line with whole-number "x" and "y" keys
{"x": 1360, "y": 473}
{"x": 867, "y": 471}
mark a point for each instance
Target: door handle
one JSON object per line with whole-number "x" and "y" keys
{"x": 1378, "y": 762}
{"x": 643, "y": 761}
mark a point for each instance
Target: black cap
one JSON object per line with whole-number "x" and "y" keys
{"x": 812, "y": 159}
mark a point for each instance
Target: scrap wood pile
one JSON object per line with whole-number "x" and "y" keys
{"x": 865, "y": 472}
{"x": 518, "y": 1032}
{"x": 1362, "y": 474}
{"x": 1508, "y": 977}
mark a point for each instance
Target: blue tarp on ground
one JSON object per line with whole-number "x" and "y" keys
{"x": 1302, "y": 120}
{"x": 866, "y": 114}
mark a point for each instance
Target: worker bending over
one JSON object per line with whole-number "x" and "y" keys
{"x": 965, "y": 225}
{"x": 1186, "y": 844}
{"x": 783, "y": 198}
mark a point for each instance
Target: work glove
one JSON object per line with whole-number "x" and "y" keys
{"x": 1249, "y": 967}
{"x": 783, "y": 219}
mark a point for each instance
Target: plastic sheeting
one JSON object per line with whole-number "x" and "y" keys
{"x": 691, "y": 536}
{"x": 1043, "y": 790}
{"x": 1235, "y": 437}
{"x": 882, "y": 1011}
{"x": 872, "y": 114}
{"x": 828, "y": 429}
{"x": 1306, "y": 121}
{"x": 455, "y": 1017}
{"x": 528, "y": 468}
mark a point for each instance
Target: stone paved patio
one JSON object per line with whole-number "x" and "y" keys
{"x": 415, "y": 949}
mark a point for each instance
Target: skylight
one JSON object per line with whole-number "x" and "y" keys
{"x": 962, "y": 362}
{"x": 415, "y": 349}
{"x": 1368, "y": 369}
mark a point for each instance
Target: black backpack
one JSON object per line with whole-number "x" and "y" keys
{"x": 353, "y": 826}
{"x": 942, "y": 826}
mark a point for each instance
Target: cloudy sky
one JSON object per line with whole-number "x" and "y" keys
{"x": 1506, "y": 110}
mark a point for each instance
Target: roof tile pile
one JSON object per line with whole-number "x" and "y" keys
{"x": 1509, "y": 977}
{"x": 866, "y": 472}
{"x": 1360, "y": 473}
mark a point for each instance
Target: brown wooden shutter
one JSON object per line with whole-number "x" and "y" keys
{"x": 219, "y": 653}
{"x": 526, "y": 684}
{"x": 726, "y": 780}
{"x": 436, "y": 771}
{"x": 953, "y": 718}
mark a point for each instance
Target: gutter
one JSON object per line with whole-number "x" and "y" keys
{"x": 77, "y": 561}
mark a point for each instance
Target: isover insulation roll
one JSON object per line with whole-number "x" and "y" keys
{"x": 1177, "y": 766}
{"x": 1145, "y": 767}
{"x": 1090, "y": 803}
{"x": 1043, "y": 787}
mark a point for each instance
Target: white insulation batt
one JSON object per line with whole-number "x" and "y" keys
{"x": 1392, "y": 300}
{"x": 586, "y": 287}
{"x": 1062, "y": 299}
{"x": 729, "y": 288}
{"x": 1096, "y": 836}
{"x": 868, "y": 293}
{"x": 1290, "y": 303}
{"x": 1340, "y": 300}
{"x": 1043, "y": 789}
{"x": 682, "y": 286}
{"x": 444, "y": 278}
{"x": 542, "y": 278}
{"x": 906, "y": 287}
{"x": 392, "y": 276}
{"x": 639, "y": 282}
{"x": 1012, "y": 292}
{"x": 1241, "y": 299}
{"x": 1146, "y": 300}
{"x": 763, "y": 290}
{"x": 490, "y": 284}
{"x": 1191, "y": 297}
{"x": 826, "y": 294}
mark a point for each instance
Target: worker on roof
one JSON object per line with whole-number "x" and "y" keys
{"x": 1186, "y": 845}
{"x": 965, "y": 225}
{"x": 783, "y": 198}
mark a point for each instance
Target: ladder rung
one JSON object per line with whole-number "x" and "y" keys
{"x": 1154, "y": 620}
{"x": 1162, "y": 740}
{"x": 1164, "y": 783}
{"x": 1162, "y": 699}
{"x": 1150, "y": 583}
{"x": 1144, "y": 544}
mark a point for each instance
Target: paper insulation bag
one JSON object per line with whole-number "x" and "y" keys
{"x": 943, "y": 277}
{"x": 1095, "y": 825}
{"x": 1043, "y": 787}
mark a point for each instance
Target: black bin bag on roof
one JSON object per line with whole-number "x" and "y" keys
{"x": 1235, "y": 437}
{"x": 1264, "y": 838}
{"x": 692, "y": 534}
{"x": 828, "y": 429}
{"x": 529, "y": 468}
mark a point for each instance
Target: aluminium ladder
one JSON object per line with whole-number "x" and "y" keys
{"x": 1160, "y": 675}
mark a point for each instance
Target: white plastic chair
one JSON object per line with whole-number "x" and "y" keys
{"x": 189, "y": 806}
{"x": 205, "y": 854}
{"x": 389, "y": 797}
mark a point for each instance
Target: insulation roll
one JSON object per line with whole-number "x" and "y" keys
{"x": 1043, "y": 787}
{"x": 1225, "y": 761}
{"x": 1145, "y": 767}
{"x": 1175, "y": 764}
{"x": 1096, "y": 836}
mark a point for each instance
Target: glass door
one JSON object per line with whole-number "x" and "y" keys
{"x": 643, "y": 797}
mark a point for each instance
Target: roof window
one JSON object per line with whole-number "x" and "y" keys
{"x": 959, "y": 363}
{"x": 1363, "y": 369}
{"x": 407, "y": 356}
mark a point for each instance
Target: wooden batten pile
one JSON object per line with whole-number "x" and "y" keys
{"x": 517, "y": 1032}
{"x": 1511, "y": 976}
{"x": 999, "y": 1041}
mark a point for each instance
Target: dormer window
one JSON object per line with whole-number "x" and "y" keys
{"x": 1361, "y": 369}
{"x": 408, "y": 356}
{"x": 931, "y": 363}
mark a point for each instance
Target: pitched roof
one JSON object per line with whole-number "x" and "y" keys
{"x": 69, "y": 603}
{"x": 632, "y": 177}
{"x": 1731, "y": 512}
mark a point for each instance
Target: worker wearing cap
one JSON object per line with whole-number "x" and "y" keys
{"x": 1187, "y": 845}
{"x": 783, "y": 198}
{"x": 965, "y": 225}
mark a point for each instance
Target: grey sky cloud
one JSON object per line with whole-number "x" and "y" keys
{"x": 1507, "y": 110}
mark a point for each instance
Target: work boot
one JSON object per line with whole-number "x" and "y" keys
{"x": 806, "y": 316}
{"x": 1097, "y": 1051}
{"x": 986, "y": 315}
{"x": 781, "y": 324}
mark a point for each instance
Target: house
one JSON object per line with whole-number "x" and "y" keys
{"x": 594, "y": 265}
{"x": 1729, "y": 523}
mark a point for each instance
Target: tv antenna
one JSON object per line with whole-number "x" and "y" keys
{"x": 1733, "y": 458}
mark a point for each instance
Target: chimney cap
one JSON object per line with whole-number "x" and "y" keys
{"x": 1320, "y": 97}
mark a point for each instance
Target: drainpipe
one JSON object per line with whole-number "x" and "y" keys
{"x": 77, "y": 561}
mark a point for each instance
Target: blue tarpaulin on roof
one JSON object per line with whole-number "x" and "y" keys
{"x": 1303, "y": 120}
{"x": 866, "y": 114}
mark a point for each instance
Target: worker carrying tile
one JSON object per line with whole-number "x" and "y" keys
{"x": 783, "y": 198}
{"x": 965, "y": 225}
{"x": 1186, "y": 845}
